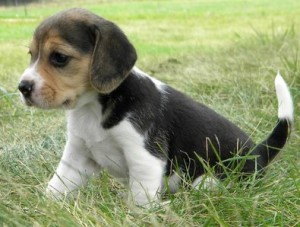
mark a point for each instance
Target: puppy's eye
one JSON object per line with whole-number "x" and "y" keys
{"x": 58, "y": 59}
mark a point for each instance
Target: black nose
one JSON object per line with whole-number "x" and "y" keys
{"x": 25, "y": 87}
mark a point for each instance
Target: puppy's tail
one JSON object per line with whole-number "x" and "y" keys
{"x": 269, "y": 148}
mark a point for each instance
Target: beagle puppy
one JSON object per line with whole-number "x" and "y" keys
{"x": 142, "y": 131}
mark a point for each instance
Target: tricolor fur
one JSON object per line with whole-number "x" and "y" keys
{"x": 123, "y": 120}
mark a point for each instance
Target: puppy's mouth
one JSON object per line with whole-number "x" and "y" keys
{"x": 27, "y": 101}
{"x": 67, "y": 103}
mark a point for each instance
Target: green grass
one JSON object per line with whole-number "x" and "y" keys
{"x": 222, "y": 53}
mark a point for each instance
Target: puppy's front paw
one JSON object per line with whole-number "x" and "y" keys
{"x": 142, "y": 199}
{"x": 54, "y": 194}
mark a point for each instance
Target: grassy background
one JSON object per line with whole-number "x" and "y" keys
{"x": 222, "y": 53}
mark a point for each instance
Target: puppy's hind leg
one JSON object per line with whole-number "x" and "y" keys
{"x": 145, "y": 176}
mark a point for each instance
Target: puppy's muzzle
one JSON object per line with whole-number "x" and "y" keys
{"x": 26, "y": 87}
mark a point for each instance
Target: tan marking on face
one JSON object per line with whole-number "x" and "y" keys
{"x": 61, "y": 86}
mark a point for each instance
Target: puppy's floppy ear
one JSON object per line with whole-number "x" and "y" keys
{"x": 113, "y": 57}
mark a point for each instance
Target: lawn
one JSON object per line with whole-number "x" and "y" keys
{"x": 222, "y": 53}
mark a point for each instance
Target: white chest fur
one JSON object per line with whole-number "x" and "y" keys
{"x": 120, "y": 150}
{"x": 84, "y": 125}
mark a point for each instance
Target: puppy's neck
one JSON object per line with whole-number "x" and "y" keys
{"x": 87, "y": 98}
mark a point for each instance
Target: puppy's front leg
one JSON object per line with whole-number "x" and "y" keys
{"x": 73, "y": 170}
{"x": 145, "y": 175}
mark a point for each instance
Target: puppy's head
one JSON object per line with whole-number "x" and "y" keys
{"x": 72, "y": 53}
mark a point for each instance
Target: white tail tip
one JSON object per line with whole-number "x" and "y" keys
{"x": 285, "y": 101}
